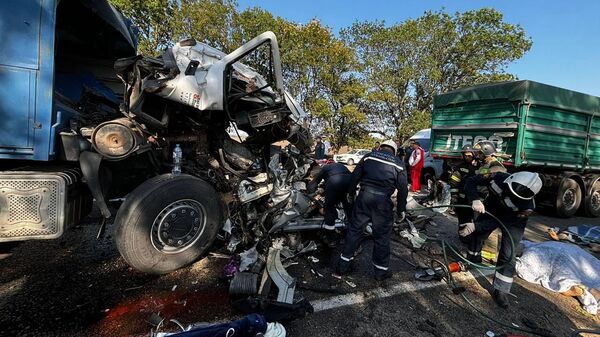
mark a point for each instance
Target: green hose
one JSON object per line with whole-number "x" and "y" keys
{"x": 450, "y": 279}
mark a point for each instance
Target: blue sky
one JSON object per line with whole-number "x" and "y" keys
{"x": 565, "y": 33}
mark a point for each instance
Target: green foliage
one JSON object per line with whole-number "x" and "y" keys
{"x": 208, "y": 21}
{"x": 154, "y": 19}
{"x": 375, "y": 78}
{"x": 406, "y": 64}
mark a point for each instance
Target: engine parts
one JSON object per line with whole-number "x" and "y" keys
{"x": 117, "y": 139}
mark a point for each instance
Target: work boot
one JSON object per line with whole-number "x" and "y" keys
{"x": 474, "y": 258}
{"x": 383, "y": 275}
{"x": 501, "y": 298}
{"x": 329, "y": 238}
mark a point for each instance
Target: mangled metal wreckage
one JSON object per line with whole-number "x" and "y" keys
{"x": 250, "y": 193}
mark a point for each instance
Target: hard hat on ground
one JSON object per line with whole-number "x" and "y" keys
{"x": 524, "y": 185}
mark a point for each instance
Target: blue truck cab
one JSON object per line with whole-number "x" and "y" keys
{"x": 56, "y": 68}
{"x": 51, "y": 51}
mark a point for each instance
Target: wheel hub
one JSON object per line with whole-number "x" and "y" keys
{"x": 596, "y": 200}
{"x": 178, "y": 226}
{"x": 569, "y": 198}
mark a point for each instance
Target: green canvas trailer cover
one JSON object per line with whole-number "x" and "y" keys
{"x": 532, "y": 123}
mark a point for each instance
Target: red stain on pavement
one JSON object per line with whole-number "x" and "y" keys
{"x": 187, "y": 306}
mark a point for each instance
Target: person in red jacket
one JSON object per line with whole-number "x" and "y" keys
{"x": 417, "y": 157}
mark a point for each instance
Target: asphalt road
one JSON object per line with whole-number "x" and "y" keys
{"x": 80, "y": 286}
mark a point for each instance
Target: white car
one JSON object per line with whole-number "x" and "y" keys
{"x": 351, "y": 157}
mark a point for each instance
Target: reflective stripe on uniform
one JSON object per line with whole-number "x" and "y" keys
{"x": 380, "y": 267}
{"x": 345, "y": 258}
{"x": 496, "y": 188}
{"x": 329, "y": 228}
{"x": 503, "y": 278}
{"x": 510, "y": 204}
{"x": 385, "y": 162}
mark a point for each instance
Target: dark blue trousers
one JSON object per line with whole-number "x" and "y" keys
{"x": 336, "y": 190}
{"x": 377, "y": 208}
{"x": 484, "y": 226}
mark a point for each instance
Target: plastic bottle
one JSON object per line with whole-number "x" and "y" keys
{"x": 177, "y": 158}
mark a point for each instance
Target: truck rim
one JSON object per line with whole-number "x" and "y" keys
{"x": 569, "y": 198}
{"x": 178, "y": 226}
{"x": 596, "y": 200}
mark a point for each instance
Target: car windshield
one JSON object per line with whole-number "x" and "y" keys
{"x": 352, "y": 151}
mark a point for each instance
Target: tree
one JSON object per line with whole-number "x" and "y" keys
{"x": 406, "y": 64}
{"x": 154, "y": 20}
{"x": 208, "y": 21}
{"x": 318, "y": 71}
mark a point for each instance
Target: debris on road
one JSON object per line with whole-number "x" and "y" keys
{"x": 249, "y": 326}
{"x": 416, "y": 239}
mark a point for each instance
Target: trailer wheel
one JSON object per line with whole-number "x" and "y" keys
{"x": 167, "y": 223}
{"x": 568, "y": 198}
{"x": 592, "y": 201}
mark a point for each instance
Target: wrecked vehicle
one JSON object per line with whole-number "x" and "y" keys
{"x": 159, "y": 138}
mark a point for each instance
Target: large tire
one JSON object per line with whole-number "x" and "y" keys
{"x": 568, "y": 198}
{"x": 592, "y": 201}
{"x": 350, "y": 162}
{"x": 149, "y": 241}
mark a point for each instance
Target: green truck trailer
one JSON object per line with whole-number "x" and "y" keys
{"x": 536, "y": 127}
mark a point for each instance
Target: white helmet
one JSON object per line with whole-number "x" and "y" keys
{"x": 391, "y": 144}
{"x": 524, "y": 185}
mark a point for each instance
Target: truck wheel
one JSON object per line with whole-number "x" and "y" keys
{"x": 568, "y": 198}
{"x": 592, "y": 201}
{"x": 167, "y": 223}
{"x": 350, "y": 162}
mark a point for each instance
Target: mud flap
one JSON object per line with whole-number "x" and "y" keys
{"x": 90, "y": 167}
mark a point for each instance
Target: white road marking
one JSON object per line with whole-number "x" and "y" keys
{"x": 379, "y": 293}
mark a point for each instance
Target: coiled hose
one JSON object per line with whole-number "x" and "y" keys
{"x": 452, "y": 284}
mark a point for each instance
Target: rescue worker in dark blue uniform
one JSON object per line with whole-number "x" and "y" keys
{"x": 379, "y": 174}
{"x": 510, "y": 199}
{"x": 337, "y": 179}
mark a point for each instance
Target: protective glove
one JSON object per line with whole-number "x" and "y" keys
{"x": 466, "y": 228}
{"x": 478, "y": 207}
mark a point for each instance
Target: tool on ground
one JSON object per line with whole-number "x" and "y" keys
{"x": 460, "y": 290}
{"x": 439, "y": 272}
